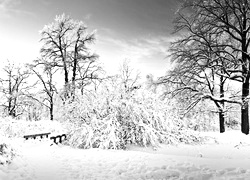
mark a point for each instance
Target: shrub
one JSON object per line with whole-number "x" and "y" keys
{"x": 111, "y": 119}
{"x": 7, "y": 153}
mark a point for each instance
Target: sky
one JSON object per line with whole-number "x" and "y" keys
{"x": 137, "y": 30}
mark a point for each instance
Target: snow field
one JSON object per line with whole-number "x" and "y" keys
{"x": 225, "y": 156}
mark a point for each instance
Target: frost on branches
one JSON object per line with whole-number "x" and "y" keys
{"x": 113, "y": 118}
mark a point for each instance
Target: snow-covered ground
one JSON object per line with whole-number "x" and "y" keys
{"x": 224, "y": 156}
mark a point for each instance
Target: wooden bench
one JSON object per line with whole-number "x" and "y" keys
{"x": 56, "y": 139}
{"x": 36, "y": 135}
{"x": 59, "y": 137}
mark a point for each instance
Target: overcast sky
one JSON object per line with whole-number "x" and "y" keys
{"x": 139, "y": 30}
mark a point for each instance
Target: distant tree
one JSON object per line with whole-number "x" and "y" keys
{"x": 14, "y": 88}
{"x": 129, "y": 78}
{"x": 44, "y": 71}
{"x": 66, "y": 47}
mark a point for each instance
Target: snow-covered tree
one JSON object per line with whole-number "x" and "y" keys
{"x": 66, "y": 46}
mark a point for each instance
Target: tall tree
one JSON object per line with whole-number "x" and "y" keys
{"x": 66, "y": 47}
{"x": 197, "y": 80}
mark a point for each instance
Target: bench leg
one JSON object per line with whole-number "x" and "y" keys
{"x": 64, "y": 135}
{"x": 59, "y": 138}
{"x": 54, "y": 140}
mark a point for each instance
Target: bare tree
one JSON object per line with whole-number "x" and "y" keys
{"x": 45, "y": 72}
{"x": 66, "y": 47}
{"x": 129, "y": 77}
{"x": 196, "y": 83}
{"x": 14, "y": 87}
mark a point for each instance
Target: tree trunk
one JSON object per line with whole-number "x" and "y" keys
{"x": 244, "y": 108}
{"x": 51, "y": 109}
{"x": 245, "y": 84}
{"x": 9, "y": 106}
{"x": 51, "y": 112}
{"x": 221, "y": 109}
{"x": 74, "y": 65}
{"x": 222, "y": 121}
{"x": 74, "y": 77}
{"x": 66, "y": 74}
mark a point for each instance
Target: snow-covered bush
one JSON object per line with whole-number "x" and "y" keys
{"x": 232, "y": 123}
{"x": 7, "y": 153}
{"x": 113, "y": 118}
{"x": 205, "y": 117}
{"x": 233, "y": 118}
{"x": 198, "y": 120}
